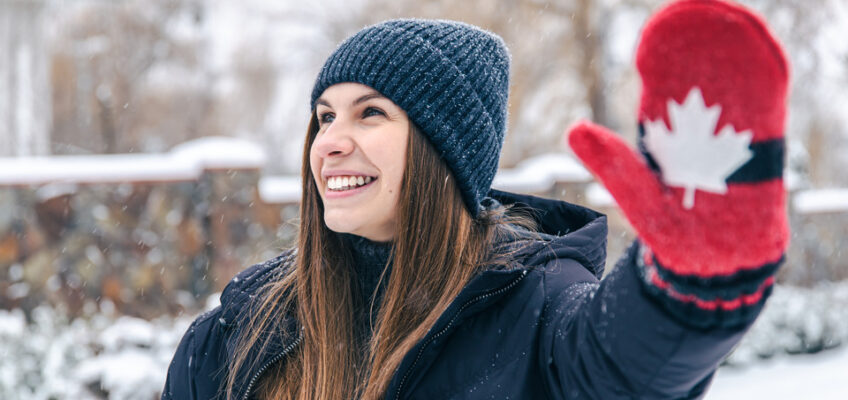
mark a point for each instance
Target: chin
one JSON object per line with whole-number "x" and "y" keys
{"x": 366, "y": 225}
{"x": 339, "y": 226}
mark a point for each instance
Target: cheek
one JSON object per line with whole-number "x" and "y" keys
{"x": 398, "y": 162}
{"x": 313, "y": 157}
{"x": 315, "y": 167}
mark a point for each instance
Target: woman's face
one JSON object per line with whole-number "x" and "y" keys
{"x": 358, "y": 159}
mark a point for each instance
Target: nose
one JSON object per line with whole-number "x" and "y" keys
{"x": 334, "y": 141}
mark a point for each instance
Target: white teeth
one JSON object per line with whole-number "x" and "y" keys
{"x": 347, "y": 182}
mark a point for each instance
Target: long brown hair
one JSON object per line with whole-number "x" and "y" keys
{"x": 437, "y": 249}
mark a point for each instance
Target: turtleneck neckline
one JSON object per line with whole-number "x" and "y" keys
{"x": 369, "y": 259}
{"x": 368, "y": 252}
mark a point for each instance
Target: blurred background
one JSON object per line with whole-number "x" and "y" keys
{"x": 150, "y": 150}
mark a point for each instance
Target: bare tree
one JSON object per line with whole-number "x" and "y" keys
{"x": 25, "y": 110}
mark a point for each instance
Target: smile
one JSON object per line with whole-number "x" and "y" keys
{"x": 344, "y": 183}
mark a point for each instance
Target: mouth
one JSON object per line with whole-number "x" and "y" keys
{"x": 343, "y": 183}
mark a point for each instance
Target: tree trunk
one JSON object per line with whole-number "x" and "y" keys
{"x": 25, "y": 105}
{"x": 591, "y": 42}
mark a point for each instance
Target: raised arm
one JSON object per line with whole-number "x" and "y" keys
{"x": 624, "y": 338}
{"x": 706, "y": 198}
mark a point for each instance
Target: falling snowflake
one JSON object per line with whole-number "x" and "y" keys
{"x": 691, "y": 156}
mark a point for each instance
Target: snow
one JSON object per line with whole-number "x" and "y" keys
{"x": 185, "y": 162}
{"x": 126, "y": 375}
{"x": 821, "y": 201}
{"x": 795, "y": 176}
{"x": 54, "y": 358}
{"x": 534, "y": 175}
{"x": 819, "y": 376}
{"x": 127, "y": 331}
{"x": 12, "y": 323}
{"x": 56, "y": 189}
{"x": 170, "y": 75}
{"x": 95, "y": 169}
{"x": 540, "y": 173}
{"x": 24, "y": 114}
{"x": 598, "y": 196}
{"x": 280, "y": 189}
{"x": 127, "y": 358}
{"x": 218, "y": 152}
{"x": 797, "y": 348}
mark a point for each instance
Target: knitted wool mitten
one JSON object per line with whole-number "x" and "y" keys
{"x": 706, "y": 196}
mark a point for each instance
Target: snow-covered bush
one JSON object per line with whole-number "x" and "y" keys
{"x": 118, "y": 357}
{"x": 97, "y": 357}
{"x": 797, "y": 320}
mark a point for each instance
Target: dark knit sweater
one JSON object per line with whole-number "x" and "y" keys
{"x": 369, "y": 260}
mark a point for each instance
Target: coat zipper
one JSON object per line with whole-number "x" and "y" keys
{"x": 272, "y": 361}
{"x": 450, "y": 323}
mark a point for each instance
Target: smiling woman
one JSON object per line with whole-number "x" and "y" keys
{"x": 357, "y": 159}
{"x": 412, "y": 279}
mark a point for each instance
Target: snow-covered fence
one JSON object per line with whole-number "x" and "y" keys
{"x": 150, "y": 232}
{"x": 103, "y": 237}
{"x": 147, "y": 233}
{"x": 818, "y": 249}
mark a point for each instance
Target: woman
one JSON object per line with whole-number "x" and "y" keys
{"x": 412, "y": 279}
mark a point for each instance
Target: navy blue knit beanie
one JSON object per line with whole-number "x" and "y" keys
{"x": 451, "y": 78}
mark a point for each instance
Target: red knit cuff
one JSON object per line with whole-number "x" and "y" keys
{"x": 727, "y": 301}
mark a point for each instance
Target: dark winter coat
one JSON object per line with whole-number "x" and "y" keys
{"x": 547, "y": 330}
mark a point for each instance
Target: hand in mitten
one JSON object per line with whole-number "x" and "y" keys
{"x": 706, "y": 195}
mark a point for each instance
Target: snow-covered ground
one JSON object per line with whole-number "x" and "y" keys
{"x": 820, "y": 376}
{"x": 107, "y": 356}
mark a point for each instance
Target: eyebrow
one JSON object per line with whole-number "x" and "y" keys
{"x": 361, "y": 99}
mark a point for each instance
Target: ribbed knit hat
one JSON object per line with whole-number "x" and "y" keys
{"x": 451, "y": 78}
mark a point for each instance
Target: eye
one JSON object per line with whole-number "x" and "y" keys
{"x": 326, "y": 118}
{"x": 372, "y": 111}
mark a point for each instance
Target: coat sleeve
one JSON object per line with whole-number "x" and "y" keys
{"x": 178, "y": 384}
{"x": 199, "y": 367}
{"x": 621, "y": 339}
{"x": 182, "y": 379}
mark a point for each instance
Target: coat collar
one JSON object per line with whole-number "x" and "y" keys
{"x": 236, "y": 308}
{"x": 566, "y": 230}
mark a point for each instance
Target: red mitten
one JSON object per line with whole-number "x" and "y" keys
{"x": 706, "y": 193}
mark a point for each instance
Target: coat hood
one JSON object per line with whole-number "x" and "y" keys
{"x": 567, "y": 231}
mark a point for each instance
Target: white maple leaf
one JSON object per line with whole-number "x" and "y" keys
{"x": 691, "y": 155}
